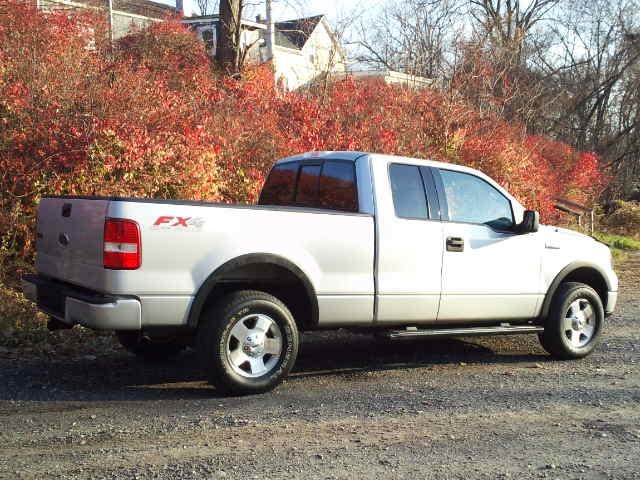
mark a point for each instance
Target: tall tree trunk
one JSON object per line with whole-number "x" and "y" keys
{"x": 228, "y": 49}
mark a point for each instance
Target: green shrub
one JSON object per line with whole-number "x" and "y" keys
{"x": 20, "y": 320}
{"x": 624, "y": 220}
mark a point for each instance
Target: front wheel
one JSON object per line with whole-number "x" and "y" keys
{"x": 575, "y": 321}
{"x": 247, "y": 343}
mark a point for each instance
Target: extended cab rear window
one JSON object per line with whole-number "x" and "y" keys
{"x": 329, "y": 184}
{"x": 280, "y": 185}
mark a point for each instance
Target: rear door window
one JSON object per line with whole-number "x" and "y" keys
{"x": 409, "y": 198}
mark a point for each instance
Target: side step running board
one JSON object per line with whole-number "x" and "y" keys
{"x": 464, "y": 331}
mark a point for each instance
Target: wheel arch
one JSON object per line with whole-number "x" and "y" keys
{"x": 583, "y": 272}
{"x": 260, "y": 271}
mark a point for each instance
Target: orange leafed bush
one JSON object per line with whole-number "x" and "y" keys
{"x": 152, "y": 117}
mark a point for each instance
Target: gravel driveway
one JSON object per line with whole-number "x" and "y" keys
{"x": 354, "y": 408}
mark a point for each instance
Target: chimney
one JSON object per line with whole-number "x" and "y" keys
{"x": 271, "y": 34}
{"x": 258, "y": 18}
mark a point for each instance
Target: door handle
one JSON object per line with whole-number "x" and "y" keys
{"x": 455, "y": 244}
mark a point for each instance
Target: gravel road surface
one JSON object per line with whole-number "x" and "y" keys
{"x": 490, "y": 408}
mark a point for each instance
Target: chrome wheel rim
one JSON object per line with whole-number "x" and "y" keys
{"x": 579, "y": 323}
{"x": 254, "y": 345}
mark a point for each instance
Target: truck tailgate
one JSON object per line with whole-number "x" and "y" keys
{"x": 69, "y": 238}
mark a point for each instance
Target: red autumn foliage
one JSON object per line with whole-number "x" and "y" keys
{"x": 153, "y": 118}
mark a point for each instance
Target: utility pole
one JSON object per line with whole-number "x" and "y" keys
{"x": 110, "y": 7}
{"x": 270, "y": 40}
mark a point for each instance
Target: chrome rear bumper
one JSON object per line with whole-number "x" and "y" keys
{"x": 77, "y": 306}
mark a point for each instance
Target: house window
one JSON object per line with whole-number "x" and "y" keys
{"x": 209, "y": 38}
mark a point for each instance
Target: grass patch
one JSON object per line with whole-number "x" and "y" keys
{"x": 620, "y": 245}
{"x": 619, "y": 242}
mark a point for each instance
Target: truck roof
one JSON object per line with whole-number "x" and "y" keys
{"x": 355, "y": 155}
{"x": 341, "y": 155}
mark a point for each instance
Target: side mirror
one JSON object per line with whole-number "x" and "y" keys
{"x": 530, "y": 222}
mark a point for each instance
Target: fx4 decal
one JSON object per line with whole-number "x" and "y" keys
{"x": 171, "y": 222}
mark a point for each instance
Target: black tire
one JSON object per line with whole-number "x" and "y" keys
{"x": 150, "y": 349}
{"x": 214, "y": 339}
{"x": 556, "y": 338}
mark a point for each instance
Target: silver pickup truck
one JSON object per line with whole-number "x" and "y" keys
{"x": 400, "y": 246}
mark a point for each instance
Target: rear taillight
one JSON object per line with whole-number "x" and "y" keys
{"x": 121, "y": 244}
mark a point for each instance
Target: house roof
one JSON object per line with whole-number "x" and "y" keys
{"x": 215, "y": 18}
{"x": 289, "y": 33}
{"x": 146, "y": 8}
{"x": 295, "y": 33}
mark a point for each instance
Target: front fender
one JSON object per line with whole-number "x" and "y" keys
{"x": 586, "y": 272}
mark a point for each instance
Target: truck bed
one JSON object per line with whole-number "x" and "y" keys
{"x": 335, "y": 249}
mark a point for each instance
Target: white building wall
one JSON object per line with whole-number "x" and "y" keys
{"x": 124, "y": 22}
{"x": 319, "y": 57}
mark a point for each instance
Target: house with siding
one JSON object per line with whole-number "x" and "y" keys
{"x": 251, "y": 37}
{"x": 303, "y": 50}
{"x": 126, "y": 14}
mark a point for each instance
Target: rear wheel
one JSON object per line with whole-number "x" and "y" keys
{"x": 247, "y": 343}
{"x": 575, "y": 321}
{"x": 148, "y": 348}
